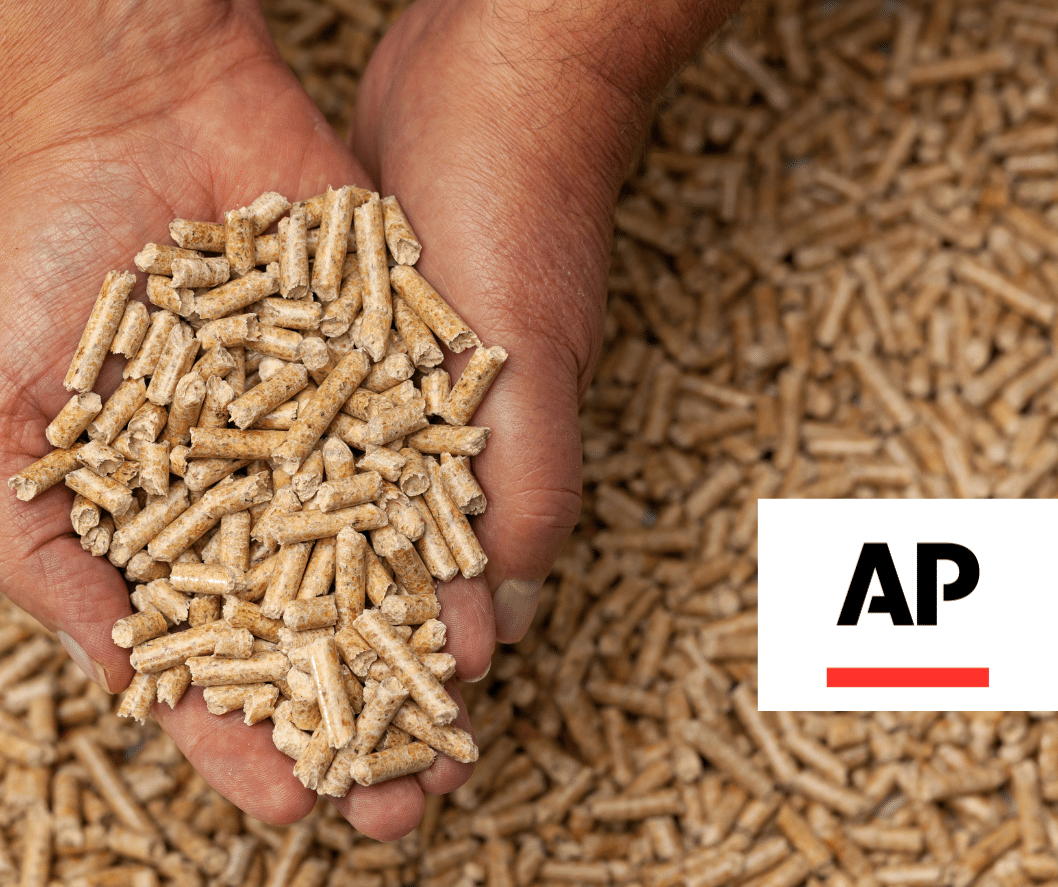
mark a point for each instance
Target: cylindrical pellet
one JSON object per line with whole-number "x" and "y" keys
{"x": 99, "y": 331}
{"x": 318, "y": 413}
{"x": 131, "y": 330}
{"x": 453, "y": 525}
{"x": 73, "y": 418}
{"x": 423, "y": 686}
{"x": 402, "y": 760}
{"x": 264, "y": 398}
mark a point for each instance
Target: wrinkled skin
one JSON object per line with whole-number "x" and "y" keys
{"x": 186, "y": 112}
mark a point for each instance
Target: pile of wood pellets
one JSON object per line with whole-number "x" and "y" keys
{"x": 834, "y": 275}
{"x": 285, "y": 532}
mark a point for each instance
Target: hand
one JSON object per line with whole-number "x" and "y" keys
{"x": 509, "y": 177}
{"x": 128, "y": 120}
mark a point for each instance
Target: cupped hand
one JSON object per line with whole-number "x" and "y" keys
{"x": 507, "y": 152}
{"x": 134, "y": 115}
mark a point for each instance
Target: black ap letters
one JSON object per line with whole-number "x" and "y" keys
{"x": 875, "y": 558}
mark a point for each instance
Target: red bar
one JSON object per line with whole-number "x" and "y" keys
{"x": 907, "y": 677}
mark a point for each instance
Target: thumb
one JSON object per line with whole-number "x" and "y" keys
{"x": 531, "y": 475}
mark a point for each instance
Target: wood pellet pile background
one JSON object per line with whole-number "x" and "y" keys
{"x": 835, "y": 274}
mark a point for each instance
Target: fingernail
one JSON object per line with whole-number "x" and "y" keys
{"x": 515, "y": 605}
{"x": 92, "y": 669}
{"x": 481, "y": 676}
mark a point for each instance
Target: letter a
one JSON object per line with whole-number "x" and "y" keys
{"x": 875, "y": 558}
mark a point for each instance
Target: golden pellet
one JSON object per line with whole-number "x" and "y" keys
{"x": 371, "y": 254}
{"x": 423, "y": 686}
{"x": 208, "y": 671}
{"x": 72, "y": 419}
{"x": 403, "y": 244}
{"x": 117, "y": 411}
{"x": 462, "y": 487}
{"x": 317, "y": 414}
{"x": 162, "y": 292}
{"x": 473, "y": 384}
{"x": 237, "y": 294}
{"x": 318, "y": 612}
{"x": 424, "y": 300}
{"x": 465, "y": 440}
{"x": 356, "y": 490}
{"x": 99, "y": 331}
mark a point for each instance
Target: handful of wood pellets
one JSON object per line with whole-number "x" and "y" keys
{"x": 274, "y": 410}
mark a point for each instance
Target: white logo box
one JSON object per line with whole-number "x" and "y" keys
{"x": 807, "y": 554}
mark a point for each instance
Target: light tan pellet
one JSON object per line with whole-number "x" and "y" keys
{"x": 217, "y": 361}
{"x": 335, "y": 709}
{"x": 208, "y": 671}
{"x": 423, "y": 686}
{"x": 356, "y": 490}
{"x": 100, "y": 458}
{"x": 395, "y": 423}
{"x": 436, "y": 386}
{"x": 243, "y": 614}
{"x": 154, "y": 468}
{"x": 403, "y": 245}
{"x": 136, "y": 703}
{"x": 99, "y": 331}
{"x": 432, "y": 546}
{"x": 377, "y": 316}
{"x": 231, "y": 443}
{"x": 239, "y": 242}
{"x": 200, "y": 273}
{"x": 429, "y": 637}
{"x": 317, "y": 612}
{"x": 106, "y": 493}
{"x": 414, "y": 478}
{"x": 472, "y": 385}
{"x": 462, "y": 487}
{"x": 131, "y": 631}
{"x": 43, "y": 474}
{"x": 131, "y": 330}
{"x": 310, "y": 525}
{"x": 260, "y": 703}
{"x": 393, "y": 762}
{"x": 162, "y": 292}
{"x": 408, "y": 569}
{"x": 453, "y": 525}
{"x": 405, "y": 519}
{"x": 294, "y": 256}
{"x": 318, "y": 413}
{"x": 447, "y": 739}
{"x": 205, "y": 578}
{"x": 286, "y": 578}
{"x": 424, "y": 300}
{"x": 463, "y": 440}
{"x": 84, "y": 514}
{"x": 72, "y": 419}
{"x": 237, "y": 294}
{"x": 315, "y": 759}
{"x": 175, "y": 361}
{"x": 422, "y": 346}
{"x": 390, "y": 371}
{"x": 192, "y": 523}
{"x": 333, "y": 242}
{"x": 172, "y": 684}
{"x": 350, "y": 579}
{"x": 383, "y": 460}
{"x": 188, "y": 397}
{"x": 117, "y": 411}
{"x": 146, "y": 359}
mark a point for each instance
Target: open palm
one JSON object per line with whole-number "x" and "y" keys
{"x": 158, "y": 122}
